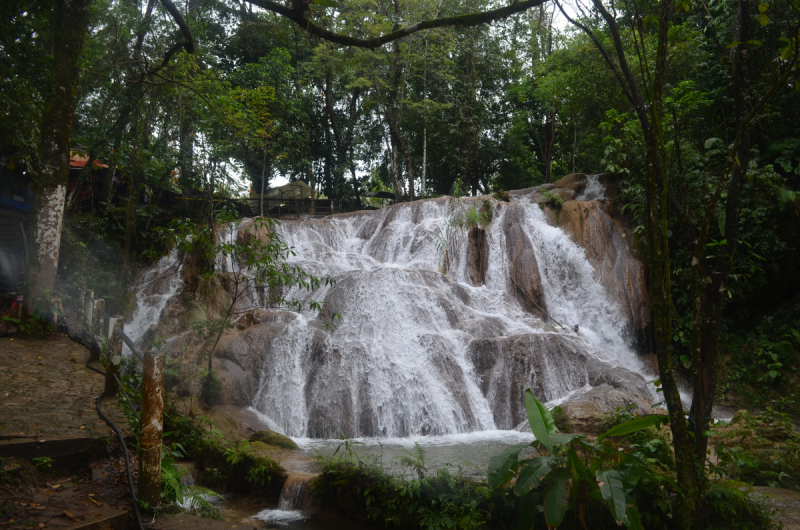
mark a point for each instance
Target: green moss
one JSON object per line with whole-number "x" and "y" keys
{"x": 268, "y": 437}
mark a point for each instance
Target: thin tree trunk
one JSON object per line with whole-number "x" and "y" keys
{"x": 70, "y": 25}
{"x": 261, "y": 199}
{"x": 423, "y": 183}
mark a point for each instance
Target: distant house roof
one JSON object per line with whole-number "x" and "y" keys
{"x": 293, "y": 190}
{"x": 79, "y": 160}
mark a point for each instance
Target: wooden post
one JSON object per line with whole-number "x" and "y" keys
{"x": 95, "y": 328}
{"x": 114, "y": 357}
{"x": 151, "y": 430}
{"x": 88, "y": 309}
{"x": 97, "y": 319}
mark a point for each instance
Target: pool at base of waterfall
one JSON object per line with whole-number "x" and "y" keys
{"x": 467, "y": 453}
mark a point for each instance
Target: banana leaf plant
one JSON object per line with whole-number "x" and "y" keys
{"x": 568, "y": 468}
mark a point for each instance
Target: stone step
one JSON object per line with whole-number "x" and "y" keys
{"x": 108, "y": 519}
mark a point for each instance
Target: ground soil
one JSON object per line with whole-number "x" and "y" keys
{"x": 47, "y": 409}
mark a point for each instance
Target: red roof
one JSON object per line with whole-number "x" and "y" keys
{"x": 78, "y": 160}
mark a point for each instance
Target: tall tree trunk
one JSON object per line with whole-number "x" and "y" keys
{"x": 398, "y": 185}
{"x": 708, "y": 280}
{"x": 70, "y": 26}
{"x": 410, "y": 170}
{"x": 186, "y": 152}
{"x": 423, "y": 183}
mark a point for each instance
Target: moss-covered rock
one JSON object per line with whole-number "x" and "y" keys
{"x": 273, "y": 438}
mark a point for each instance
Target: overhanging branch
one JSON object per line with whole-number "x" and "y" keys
{"x": 469, "y": 19}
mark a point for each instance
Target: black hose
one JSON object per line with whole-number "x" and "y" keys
{"x": 134, "y": 502}
{"x": 89, "y": 344}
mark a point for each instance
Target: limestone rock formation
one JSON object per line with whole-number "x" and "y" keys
{"x": 526, "y": 282}
{"x": 273, "y": 438}
{"x": 609, "y": 249}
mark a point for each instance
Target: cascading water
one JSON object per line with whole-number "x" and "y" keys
{"x": 402, "y": 361}
{"x": 154, "y": 289}
{"x": 419, "y": 352}
{"x": 593, "y": 191}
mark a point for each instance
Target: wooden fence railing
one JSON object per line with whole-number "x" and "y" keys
{"x": 106, "y": 330}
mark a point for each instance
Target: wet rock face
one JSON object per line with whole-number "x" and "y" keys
{"x": 609, "y": 249}
{"x": 507, "y": 366}
{"x": 526, "y": 282}
{"x": 524, "y": 304}
{"x": 478, "y": 256}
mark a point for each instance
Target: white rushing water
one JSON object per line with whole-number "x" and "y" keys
{"x": 153, "y": 290}
{"x": 402, "y": 360}
{"x": 419, "y": 353}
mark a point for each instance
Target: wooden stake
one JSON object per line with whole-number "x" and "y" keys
{"x": 114, "y": 358}
{"x": 88, "y": 309}
{"x": 95, "y": 330}
{"x": 151, "y": 430}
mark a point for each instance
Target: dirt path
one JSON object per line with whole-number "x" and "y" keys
{"x": 46, "y": 393}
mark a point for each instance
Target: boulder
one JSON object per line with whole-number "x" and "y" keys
{"x": 525, "y": 278}
{"x": 253, "y": 229}
{"x": 574, "y": 182}
{"x": 273, "y": 438}
{"x": 551, "y": 365}
{"x": 235, "y": 423}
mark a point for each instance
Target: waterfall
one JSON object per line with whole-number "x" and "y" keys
{"x": 594, "y": 189}
{"x": 153, "y": 290}
{"x": 409, "y": 355}
{"x": 293, "y": 503}
{"x": 423, "y": 349}
{"x": 296, "y": 492}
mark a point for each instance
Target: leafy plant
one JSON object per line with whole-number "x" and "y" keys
{"x": 552, "y": 200}
{"x": 568, "y": 470}
{"x": 414, "y": 460}
{"x": 43, "y": 463}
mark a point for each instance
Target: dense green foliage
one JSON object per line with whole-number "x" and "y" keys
{"x": 631, "y": 458}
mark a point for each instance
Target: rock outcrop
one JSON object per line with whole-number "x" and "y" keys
{"x": 526, "y": 282}
{"x": 609, "y": 249}
{"x": 507, "y": 366}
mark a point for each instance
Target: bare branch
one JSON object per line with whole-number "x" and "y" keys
{"x": 470, "y": 19}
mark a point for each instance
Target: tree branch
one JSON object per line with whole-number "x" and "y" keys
{"x": 470, "y": 19}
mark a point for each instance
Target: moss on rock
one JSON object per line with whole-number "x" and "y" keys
{"x": 273, "y": 438}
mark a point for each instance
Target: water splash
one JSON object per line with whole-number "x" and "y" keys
{"x": 153, "y": 290}
{"x": 593, "y": 191}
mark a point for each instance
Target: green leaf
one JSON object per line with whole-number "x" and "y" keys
{"x": 527, "y": 510}
{"x": 721, "y": 223}
{"x": 755, "y": 42}
{"x": 579, "y": 469}
{"x": 560, "y": 438}
{"x": 532, "y": 474}
{"x": 503, "y": 467}
{"x": 613, "y": 493}
{"x": 631, "y": 473}
{"x": 556, "y": 497}
{"x": 632, "y": 519}
{"x": 542, "y": 423}
{"x": 762, "y": 7}
{"x": 634, "y": 425}
{"x": 763, "y": 19}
